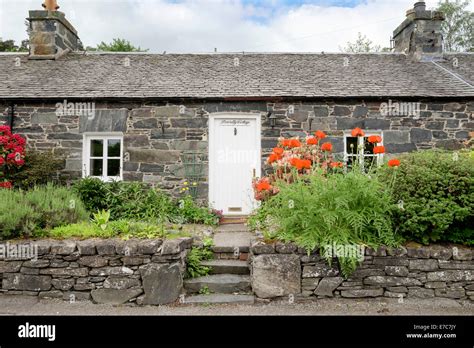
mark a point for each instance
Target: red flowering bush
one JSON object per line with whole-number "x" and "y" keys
{"x": 12, "y": 155}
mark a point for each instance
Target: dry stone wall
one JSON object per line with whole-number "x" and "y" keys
{"x": 279, "y": 270}
{"x": 110, "y": 271}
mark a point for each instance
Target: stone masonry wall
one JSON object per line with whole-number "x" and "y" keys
{"x": 279, "y": 270}
{"x": 157, "y": 134}
{"x": 105, "y": 271}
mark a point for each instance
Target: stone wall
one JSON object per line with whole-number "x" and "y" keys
{"x": 279, "y": 270}
{"x": 105, "y": 271}
{"x": 157, "y": 134}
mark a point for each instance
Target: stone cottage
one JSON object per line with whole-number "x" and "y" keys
{"x": 212, "y": 118}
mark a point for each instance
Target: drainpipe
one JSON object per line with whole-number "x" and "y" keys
{"x": 10, "y": 116}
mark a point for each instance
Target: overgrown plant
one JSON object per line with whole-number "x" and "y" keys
{"x": 195, "y": 257}
{"x": 316, "y": 202}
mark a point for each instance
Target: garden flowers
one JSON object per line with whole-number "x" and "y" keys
{"x": 293, "y": 158}
{"x": 12, "y": 154}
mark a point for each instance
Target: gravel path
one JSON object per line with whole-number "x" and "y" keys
{"x": 26, "y": 305}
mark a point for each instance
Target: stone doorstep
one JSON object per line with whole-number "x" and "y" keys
{"x": 227, "y": 266}
{"x": 220, "y": 299}
{"x": 219, "y": 283}
{"x": 229, "y": 242}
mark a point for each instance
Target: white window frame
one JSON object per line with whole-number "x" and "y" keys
{"x": 86, "y": 155}
{"x": 360, "y": 141}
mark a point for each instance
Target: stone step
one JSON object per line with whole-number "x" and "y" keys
{"x": 232, "y": 242}
{"x": 226, "y": 220}
{"x": 219, "y": 283}
{"x": 220, "y": 298}
{"x": 227, "y": 266}
{"x": 232, "y": 228}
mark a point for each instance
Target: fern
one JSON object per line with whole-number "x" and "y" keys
{"x": 350, "y": 209}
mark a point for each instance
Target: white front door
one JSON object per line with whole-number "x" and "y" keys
{"x": 234, "y": 159}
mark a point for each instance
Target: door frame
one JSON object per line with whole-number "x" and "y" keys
{"x": 258, "y": 130}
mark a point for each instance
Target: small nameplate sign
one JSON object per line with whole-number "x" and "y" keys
{"x": 234, "y": 123}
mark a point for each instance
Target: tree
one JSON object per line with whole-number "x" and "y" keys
{"x": 9, "y": 46}
{"x": 117, "y": 45}
{"x": 458, "y": 27}
{"x": 362, "y": 45}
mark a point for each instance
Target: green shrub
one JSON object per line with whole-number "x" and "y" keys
{"x": 137, "y": 201}
{"x": 318, "y": 211}
{"x": 190, "y": 212}
{"x": 435, "y": 191}
{"x": 93, "y": 193}
{"x": 25, "y": 212}
{"x": 40, "y": 168}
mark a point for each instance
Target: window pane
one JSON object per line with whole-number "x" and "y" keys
{"x": 96, "y": 167}
{"x": 113, "y": 148}
{"x": 369, "y": 147}
{"x": 113, "y": 167}
{"x": 351, "y": 145}
{"x": 97, "y": 148}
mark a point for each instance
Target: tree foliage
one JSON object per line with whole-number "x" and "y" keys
{"x": 117, "y": 45}
{"x": 458, "y": 27}
{"x": 9, "y": 46}
{"x": 362, "y": 45}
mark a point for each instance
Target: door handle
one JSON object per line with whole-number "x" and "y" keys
{"x": 254, "y": 172}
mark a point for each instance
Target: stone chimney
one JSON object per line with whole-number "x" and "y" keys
{"x": 51, "y": 34}
{"x": 419, "y": 36}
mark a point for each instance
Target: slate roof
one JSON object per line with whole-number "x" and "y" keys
{"x": 78, "y": 75}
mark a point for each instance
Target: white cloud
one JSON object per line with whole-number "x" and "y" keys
{"x": 200, "y": 25}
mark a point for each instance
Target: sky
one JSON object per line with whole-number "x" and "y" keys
{"x": 199, "y": 26}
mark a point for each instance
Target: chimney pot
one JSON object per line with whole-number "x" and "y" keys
{"x": 419, "y": 6}
{"x": 50, "y": 5}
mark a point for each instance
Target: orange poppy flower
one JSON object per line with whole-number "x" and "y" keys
{"x": 379, "y": 149}
{"x": 312, "y": 141}
{"x": 286, "y": 142}
{"x": 374, "y": 139}
{"x": 336, "y": 165}
{"x": 320, "y": 134}
{"x": 357, "y": 132}
{"x": 326, "y": 147}
{"x": 294, "y": 161}
{"x": 263, "y": 185}
{"x": 394, "y": 162}
{"x": 273, "y": 158}
{"x": 278, "y": 151}
{"x": 295, "y": 143}
{"x": 305, "y": 164}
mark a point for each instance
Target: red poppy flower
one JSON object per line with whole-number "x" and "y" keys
{"x": 305, "y": 164}
{"x": 263, "y": 185}
{"x": 295, "y": 143}
{"x": 286, "y": 142}
{"x": 336, "y": 165}
{"x": 374, "y": 139}
{"x": 312, "y": 141}
{"x": 2, "y": 161}
{"x": 294, "y": 161}
{"x": 320, "y": 134}
{"x": 394, "y": 162}
{"x": 273, "y": 158}
{"x": 278, "y": 151}
{"x": 379, "y": 149}
{"x": 326, "y": 147}
{"x": 357, "y": 132}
